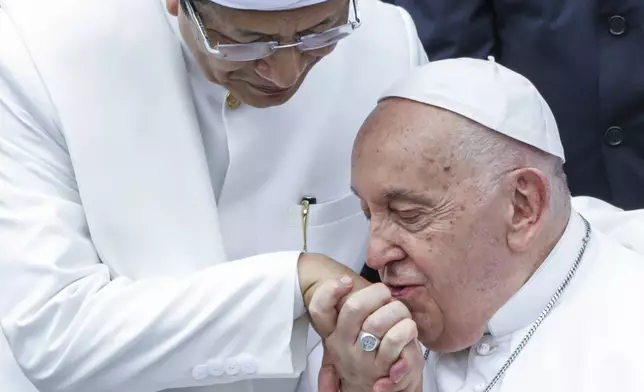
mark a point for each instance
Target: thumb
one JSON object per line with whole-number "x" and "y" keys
{"x": 323, "y": 306}
{"x": 328, "y": 379}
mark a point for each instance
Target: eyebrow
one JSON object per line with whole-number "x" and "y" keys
{"x": 247, "y": 32}
{"x": 403, "y": 195}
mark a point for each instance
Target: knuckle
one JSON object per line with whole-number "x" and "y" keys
{"x": 394, "y": 339}
{"x": 404, "y": 333}
{"x": 328, "y": 288}
{"x": 412, "y": 354}
{"x": 352, "y": 306}
{"x": 334, "y": 289}
{"x": 410, "y": 328}
{"x": 315, "y": 312}
{"x": 382, "y": 290}
{"x": 372, "y": 325}
{"x": 401, "y": 309}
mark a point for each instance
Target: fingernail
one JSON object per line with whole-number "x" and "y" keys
{"x": 345, "y": 280}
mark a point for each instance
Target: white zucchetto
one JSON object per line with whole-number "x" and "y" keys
{"x": 487, "y": 93}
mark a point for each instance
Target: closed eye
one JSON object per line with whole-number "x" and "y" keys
{"x": 409, "y": 218}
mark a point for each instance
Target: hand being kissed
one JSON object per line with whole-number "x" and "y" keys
{"x": 339, "y": 315}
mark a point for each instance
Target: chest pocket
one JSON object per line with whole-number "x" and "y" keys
{"x": 337, "y": 229}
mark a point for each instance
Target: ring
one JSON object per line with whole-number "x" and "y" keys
{"x": 367, "y": 341}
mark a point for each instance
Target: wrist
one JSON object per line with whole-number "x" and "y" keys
{"x": 313, "y": 267}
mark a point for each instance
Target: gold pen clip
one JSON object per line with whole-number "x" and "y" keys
{"x": 306, "y": 203}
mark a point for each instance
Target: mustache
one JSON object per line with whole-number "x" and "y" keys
{"x": 402, "y": 275}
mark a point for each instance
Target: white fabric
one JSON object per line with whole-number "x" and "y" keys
{"x": 626, "y": 227}
{"x": 121, "y": 202}
{"x": 487, "y": 93}
{"x": 526, "y": 305}
{"x": 267, "y": 5}
{"x": 590, "y": 342}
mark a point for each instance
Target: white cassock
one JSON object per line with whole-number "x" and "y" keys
{"x": 127, "y": 184}
{"x": 590, "y": 342}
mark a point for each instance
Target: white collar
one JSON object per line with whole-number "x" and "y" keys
{"x": 523, "y": 308}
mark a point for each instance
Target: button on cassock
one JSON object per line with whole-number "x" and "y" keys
{"x": 232, "y": 102}
{"x": 232, "y": 367}
{"x": 215, "y": 368}
{"x": 247, "y": 363}
{"x": 483, "y": 349}
{"x": 200, "y": 372}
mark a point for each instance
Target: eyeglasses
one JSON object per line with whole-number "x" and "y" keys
{"x": 258, "y": 50}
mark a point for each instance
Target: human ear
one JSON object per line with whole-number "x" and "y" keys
{"x": 172, "y": 6}
{"x": 530, "y": 193}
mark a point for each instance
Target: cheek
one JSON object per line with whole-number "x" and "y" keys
{"x": 442, "y": 257}
{"x": 435, "y": 252}
{"x": 221, "y": 72}
{"x": 319, "y": 53}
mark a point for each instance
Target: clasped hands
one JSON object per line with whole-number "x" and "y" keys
{"x": 339, "y": 309}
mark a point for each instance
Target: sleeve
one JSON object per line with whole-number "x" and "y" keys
{"x": 299, "y": 309}
{"x": 73, "y": 328}
{"x": 449, "y": 28}
{"x": 309, "y": 380}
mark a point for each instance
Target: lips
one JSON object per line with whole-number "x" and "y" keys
{"x": 399, "y": 291}
{"x": 270, "y": 89}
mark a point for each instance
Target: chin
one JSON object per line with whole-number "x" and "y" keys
{"x": 266, "y": 101}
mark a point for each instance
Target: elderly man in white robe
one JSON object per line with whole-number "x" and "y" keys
{"x": 163, "y": 164}
{"x": 483, "y": 259}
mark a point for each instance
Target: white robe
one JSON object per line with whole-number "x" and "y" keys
{"x": 119, "y": 214}
{"x": 590, "y": 342}
{"x": 575, "y": 350}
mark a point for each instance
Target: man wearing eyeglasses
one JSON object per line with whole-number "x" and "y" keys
{"x": 170, "y": 172}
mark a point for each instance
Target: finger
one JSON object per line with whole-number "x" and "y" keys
{"x": 395, "y": 341}
{"x": 322, "y": 308}
{"x": 357, "y": 308}
{"x": 385, "y": 385}
{"x": 384, "y": 318}
{"x": 394, "y": 383}
{"x": 328, "y": 378}
{"x": 399, "y": 370}
{"x": 408, "y": 369}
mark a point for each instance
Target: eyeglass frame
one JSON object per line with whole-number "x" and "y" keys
{"x": 275, "y": 45}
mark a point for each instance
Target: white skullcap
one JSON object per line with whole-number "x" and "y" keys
{"x": 266, "y": 5}
{"x": 487, "y": 93}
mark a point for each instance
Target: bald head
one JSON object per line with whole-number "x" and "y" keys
{"x": 462, "y": 212}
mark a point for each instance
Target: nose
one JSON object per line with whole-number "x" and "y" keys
{"x": 283, "y": 68}
{"x": 382, "y": 249}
